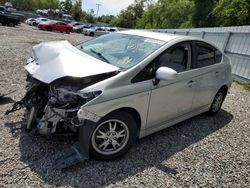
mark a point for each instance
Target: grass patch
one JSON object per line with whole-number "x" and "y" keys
{"x": 246, "y": 86}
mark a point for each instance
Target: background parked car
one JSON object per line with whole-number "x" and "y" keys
{"x": 7, "y": 18}
{"x": 98, "y": 31}
{"x": 30, "y": 21}
{"x": 113, "y": 29}
{"x": 75, "y": 23}
{"x": 78, "y": 28}
{"x": 4, "y": 10}
{"x": 94, "y": 31}
{"x": 55, "y": 26}
{"x": 39, "y": 20}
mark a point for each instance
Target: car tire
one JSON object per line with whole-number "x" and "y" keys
{"x": 113, "y": 136}
{"x": 67, "y": 31}
{"x": 11, "y": 24}
{"x": 217, "y": 102}
{"x": 49, "y": 29}
{"x": 91, "y": 34}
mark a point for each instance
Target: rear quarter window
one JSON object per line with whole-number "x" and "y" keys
{"x": 207, "y": 55}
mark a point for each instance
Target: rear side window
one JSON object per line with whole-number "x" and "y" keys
{"x": 207, "y": 55}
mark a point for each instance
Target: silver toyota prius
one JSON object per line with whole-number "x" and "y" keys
{"x": 116, "y": 88}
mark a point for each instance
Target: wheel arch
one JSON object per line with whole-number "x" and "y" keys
{"x": 132, "y": 112}
{"x": 224, "y": 88}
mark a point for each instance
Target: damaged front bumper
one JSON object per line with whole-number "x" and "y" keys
{"x": 79, "y": 152}
{"x": 52, "y": 117}
{"x": 85, "y": 122}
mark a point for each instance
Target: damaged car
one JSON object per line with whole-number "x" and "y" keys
{"x": 119, "y": 87}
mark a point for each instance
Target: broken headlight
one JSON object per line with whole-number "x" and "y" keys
{"x": 62, "y": 96}
{"x": 91, "y": 95}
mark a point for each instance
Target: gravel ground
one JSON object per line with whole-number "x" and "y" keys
{"x": 200, "y": 152}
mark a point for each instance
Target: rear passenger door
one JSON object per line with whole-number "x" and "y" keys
{"x": 206, "y": 66}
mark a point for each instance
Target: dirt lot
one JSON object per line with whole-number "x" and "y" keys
{"x": 200, "y": 152}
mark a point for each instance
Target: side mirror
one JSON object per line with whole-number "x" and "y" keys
{"x": 164, "y": 73}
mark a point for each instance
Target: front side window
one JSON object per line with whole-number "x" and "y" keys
{"x": 206, "y": 55}
{"x": 121, "y": 50}
{"x": 177, "y": 57}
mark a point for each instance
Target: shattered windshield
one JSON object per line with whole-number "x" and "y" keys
{"x": 121, "y": 50}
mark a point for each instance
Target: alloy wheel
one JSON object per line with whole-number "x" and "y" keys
{"x": 110, "y": 137}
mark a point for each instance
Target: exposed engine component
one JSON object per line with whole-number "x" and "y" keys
{"x": 54, "y": 105}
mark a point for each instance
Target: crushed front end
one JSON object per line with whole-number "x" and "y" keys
{"x": 57, "y": 74}
{"x": 52, "y": 108}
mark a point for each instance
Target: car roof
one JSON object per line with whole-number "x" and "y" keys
{"x": 155, "y": 35}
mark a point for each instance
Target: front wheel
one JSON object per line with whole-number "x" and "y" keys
{"x": 217, "y": 102}
{"x": 113, "y": 136}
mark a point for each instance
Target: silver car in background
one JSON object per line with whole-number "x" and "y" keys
{"x": 122, "y": 86}
{"x": 98, "y": 31}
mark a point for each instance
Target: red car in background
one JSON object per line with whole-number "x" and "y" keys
{"x": 55, "y": 26}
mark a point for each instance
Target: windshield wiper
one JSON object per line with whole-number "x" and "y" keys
{"x": 99, "y": 55}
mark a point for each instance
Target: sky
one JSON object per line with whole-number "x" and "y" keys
{"x": 112, "y": 7}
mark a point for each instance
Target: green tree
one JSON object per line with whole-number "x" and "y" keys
{"x": 129, "y": 17}
{"x": 106, "y": 18}
{"x": 202, "y": 16}
{"x": 76, "y": 10}
{"x": 2, "y": 2}
{"x": 67, "y": 5}
{"x": 35, "y": 4}
{"x": 232, "y": 12}
{"x": 167, "y": 14}
{"x": 88, "y": 17}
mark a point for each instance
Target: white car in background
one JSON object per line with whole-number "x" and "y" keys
{"x": 39, "y": 20}
{"x": 98, "y": 31}
{"x": 30, "y": 21}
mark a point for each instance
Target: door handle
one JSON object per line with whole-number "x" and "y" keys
{"x": 190, "y": 83}
{"x": 217, "y": 73}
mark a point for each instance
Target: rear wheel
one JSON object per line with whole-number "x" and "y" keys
{"x": 217, "y": 102}
{"x": 113, "y": 136}
{"x": 68, "y": 31}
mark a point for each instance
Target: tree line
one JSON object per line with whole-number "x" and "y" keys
{"x": 149, "y": 14}
{"x": 184, "y": 13}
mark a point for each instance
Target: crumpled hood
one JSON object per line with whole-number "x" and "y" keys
{"x": 53, "y": 60}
